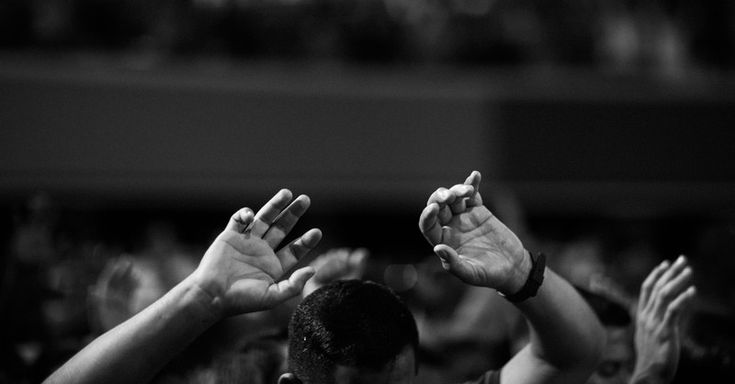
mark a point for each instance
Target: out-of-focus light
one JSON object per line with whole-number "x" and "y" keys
{"x": 400, "y": 277}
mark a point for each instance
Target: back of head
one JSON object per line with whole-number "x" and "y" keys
{"x": 349, "y": 323}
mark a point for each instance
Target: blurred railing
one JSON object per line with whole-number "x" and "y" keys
{"x": 567, "y": 140}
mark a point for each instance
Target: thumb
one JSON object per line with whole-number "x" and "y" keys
{"x": 287, "y": 289}
{"x": 451, "y": 261}
{"x": 456, "y": 265}
{"x": 446, "y": 255}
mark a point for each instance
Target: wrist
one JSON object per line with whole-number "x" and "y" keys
{"x": 205, "y": 297}
{"x": 534, "y": 277}
{"x": 519, "y": 275}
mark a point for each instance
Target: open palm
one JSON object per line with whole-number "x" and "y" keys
{"x": 241, "y": 267}
{"x": 470, "y": 240}
{"x": 665, "y": 294}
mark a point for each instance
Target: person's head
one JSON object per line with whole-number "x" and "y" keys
{"x": 618, "y": 358}
{"x": 352, "y": 332}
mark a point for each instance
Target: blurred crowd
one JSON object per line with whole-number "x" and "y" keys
{"x": 63, "y": 283}
{"x": 663, "y": 37}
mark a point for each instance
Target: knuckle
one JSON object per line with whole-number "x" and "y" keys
{"x": 666, "y": 293}
{"x": 657, "y": 287}
{"x": 672, "y": 310}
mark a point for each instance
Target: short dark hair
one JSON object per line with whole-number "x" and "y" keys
{"x": 351, "y": 323}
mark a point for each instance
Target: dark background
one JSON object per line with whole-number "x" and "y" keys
{"x": 610, "y": 120}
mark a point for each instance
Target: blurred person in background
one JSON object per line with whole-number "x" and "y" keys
{"x": 248, "y": 349}
{"x": 464, "y": 331}
{"x": 238, "y": 274}
{"x": 131, "y": 282}
{"x": 666, "y": 293}
{"x": 618, "y": 359}
{"x": 48, "y": 267}
{"x": 710, "y": 345}
{"x": 241, "y": 272}
{"x": 360, "y": 332}
{"x": 24, "y": 287}
{"x": 645, "y": 347}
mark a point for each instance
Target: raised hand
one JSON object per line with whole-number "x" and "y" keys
{"x": 665, "y": 293}
{"x": 470, "y": 241}
{"x": 241, "y": 270}
{"x": 336, "y": 264}
{"x": 111, "y": 295}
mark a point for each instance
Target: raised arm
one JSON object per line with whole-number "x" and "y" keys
{"x": 239, "y": 273}
{"x": 665, "y": 294}
{"x": 566, "y": 337}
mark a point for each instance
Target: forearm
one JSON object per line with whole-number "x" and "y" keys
{"x": 137, "y": 349}
{"x": 564, "y": 330}
{"x": 565, "y": 333}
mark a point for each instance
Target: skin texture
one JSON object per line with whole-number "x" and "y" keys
{"x": 241, "y": 269}
{"x": 470, "y": 241}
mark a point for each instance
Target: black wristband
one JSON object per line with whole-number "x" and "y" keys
{"x": 533, "y": 283}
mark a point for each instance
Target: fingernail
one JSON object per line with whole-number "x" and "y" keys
{"x": 681, "y": 259}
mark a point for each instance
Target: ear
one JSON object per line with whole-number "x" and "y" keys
{"x": 288, "y": 378}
